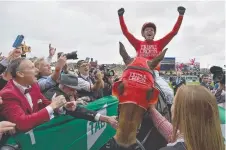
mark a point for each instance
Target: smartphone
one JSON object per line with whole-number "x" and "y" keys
{"x": 18, "y": 41}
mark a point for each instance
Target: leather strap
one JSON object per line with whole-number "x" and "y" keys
{"x": 141, "y": 68}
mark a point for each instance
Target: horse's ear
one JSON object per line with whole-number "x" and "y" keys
{"x": 126, "y": 58}
{"x": 122, "y": 49}
{"x": 152, "y": 64}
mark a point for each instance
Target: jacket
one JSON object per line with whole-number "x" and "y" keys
{"x": 16, "y": 109}
{"x": 80, "y": 112}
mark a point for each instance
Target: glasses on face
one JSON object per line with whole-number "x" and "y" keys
{"x": 84, "y": 65}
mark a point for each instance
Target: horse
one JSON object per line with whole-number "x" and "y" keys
{"x": 131, "y": 114}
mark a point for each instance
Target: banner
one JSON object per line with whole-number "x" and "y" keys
{"x": 68, "y": 133}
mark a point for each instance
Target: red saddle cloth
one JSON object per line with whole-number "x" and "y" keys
{"x": 135, "y": 84}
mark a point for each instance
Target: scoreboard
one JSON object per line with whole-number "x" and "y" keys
{"x": 168, "y": 64}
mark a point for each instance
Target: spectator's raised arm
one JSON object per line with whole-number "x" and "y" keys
{"x": 52, "y": 52}
{"x": 47, "y": 78}
{"x": 16, "y": 53}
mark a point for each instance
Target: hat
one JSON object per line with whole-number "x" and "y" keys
{"x": 215, "y": 69}
{"x": 69, "y": 80}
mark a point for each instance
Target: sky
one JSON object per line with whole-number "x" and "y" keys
{"x": 92, "y": 28}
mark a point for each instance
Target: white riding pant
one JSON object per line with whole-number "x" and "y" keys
{"x": 164, "y": 86}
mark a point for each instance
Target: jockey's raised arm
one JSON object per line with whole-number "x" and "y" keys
{"x": 149, "y": 48}
{"x": 133, "y": 41}
{"x": 166, "y": 39}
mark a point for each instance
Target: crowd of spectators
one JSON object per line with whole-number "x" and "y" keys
{"x": 31, "y": 92}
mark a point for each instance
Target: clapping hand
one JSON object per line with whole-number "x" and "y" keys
{"x": 7, "y": 126}
{"x": 113, "y": 122}
{"x": 58, "y": 102}
{"x": 71, "y": 106}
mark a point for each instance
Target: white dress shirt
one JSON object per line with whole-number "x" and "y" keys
{"x": 84, "y": 83}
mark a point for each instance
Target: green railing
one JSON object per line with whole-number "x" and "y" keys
{"x": 68, "y": 133}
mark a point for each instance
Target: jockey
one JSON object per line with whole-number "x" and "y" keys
{"x": 136, "y": 84}
{"x": 150, "y": 48}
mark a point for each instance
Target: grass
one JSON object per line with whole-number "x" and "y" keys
{"x": 188, "y": 83}
{"x": 192, "y": 83}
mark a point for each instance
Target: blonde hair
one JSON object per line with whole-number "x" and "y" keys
{"x": 196, "y": 116}
{"x": 38, "y": 62}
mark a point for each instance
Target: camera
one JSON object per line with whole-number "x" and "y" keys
{"x": 218, "y": 74}
{"x": 107, "y": 72}
{"x": 73, "y": 55}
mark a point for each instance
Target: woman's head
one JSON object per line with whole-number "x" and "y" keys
{"x": 195, "y": 115}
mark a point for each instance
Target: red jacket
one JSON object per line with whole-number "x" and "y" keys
{"x": 150, "y": 49}
{"x": 16, "y": 109}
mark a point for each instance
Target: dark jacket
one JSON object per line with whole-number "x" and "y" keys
{"x": 220, "y": 96}
{"x": 210, "y": 87}
{"x": 3, "y": 82}
{"x": 80, "y": 112}
{"x": 177, "y": 82}
{"x": 204, "y": 84}
{"x": 2, "y": 68}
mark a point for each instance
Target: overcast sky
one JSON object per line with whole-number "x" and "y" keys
{"x": 93, "y": 28}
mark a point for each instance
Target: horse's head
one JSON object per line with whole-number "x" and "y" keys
{"x": 131, "y": 110}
